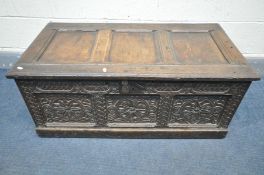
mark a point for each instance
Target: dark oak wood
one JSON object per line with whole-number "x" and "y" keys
{"x": 132, "y": 133}
{"x": 175, "y": 51}
{"x": 132, "y": 80}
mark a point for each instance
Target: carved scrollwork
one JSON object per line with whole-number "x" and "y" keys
{"x": 161, "y": 103}
{"x": 99, "y": 106}
{"x": 94, "y": 87}
{"x": 66, "y": 108}
{"x": 164, "y": 110}
{"x": 135, "y": 111}
{"x": 88, "y": 87}
{"x": 133, "y": 87}
{"x": 162, "y": 87}
{"x": 211, "y": 87}
{"x": 197, "y": 109}
{"x": 61, "y": 86}
{"x": 186, "y": 88}
{"x": 132, "y": 109}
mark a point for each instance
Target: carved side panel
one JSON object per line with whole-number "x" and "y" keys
{"x": 238, "y": 90}
{"x": 189, "y": 110}
{"x": 26, "y": 89}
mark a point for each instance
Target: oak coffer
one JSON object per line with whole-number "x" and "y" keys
{"x": 132, "y": 80}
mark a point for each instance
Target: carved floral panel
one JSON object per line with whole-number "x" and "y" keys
{"x": 197, "y": 109}
{"x": 66, "y": 107}
{"x": 162, "y": 104}
{"x": 132, "y": 109}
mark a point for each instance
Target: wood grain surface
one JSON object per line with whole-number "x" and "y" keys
{"x": 175, "y": 51}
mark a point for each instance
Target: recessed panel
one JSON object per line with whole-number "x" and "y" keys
{"x": 69, "y": 47}
{"x": 133, "y": 47}
{"x": 197, "y": 110}
{"x": 132, "y": 110}
{"x": 196, "y": 48}
{"x": 64, "y": 108}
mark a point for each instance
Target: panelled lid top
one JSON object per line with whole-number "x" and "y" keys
{"x": 133, "y": 51}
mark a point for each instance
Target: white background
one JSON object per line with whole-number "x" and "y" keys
{"x": 243, "y": 20}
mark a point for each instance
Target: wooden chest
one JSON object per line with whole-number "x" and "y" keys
{"x": 132, "y": 80}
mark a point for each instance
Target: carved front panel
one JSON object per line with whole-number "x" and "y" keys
{"x": 189, "y": 110}
{"x": 66, "y": 108}
{"x": 131, "y": 109}
{"x": 132, "y": 103}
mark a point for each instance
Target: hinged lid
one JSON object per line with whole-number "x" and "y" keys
{"x": 133, "y": 51}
